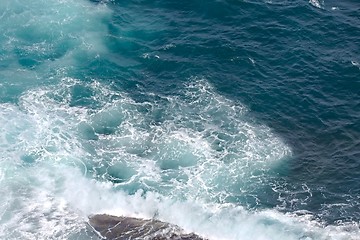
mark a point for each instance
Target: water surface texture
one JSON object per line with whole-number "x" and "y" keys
{"x": 233, "y": 119}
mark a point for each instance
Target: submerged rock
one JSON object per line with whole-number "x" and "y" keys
{"x": 125, "y": 228}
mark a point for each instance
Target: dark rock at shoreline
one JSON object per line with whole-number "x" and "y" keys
{"x": 125, "y": 228}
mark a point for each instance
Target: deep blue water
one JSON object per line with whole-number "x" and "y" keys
{"x": 233, "y": 119}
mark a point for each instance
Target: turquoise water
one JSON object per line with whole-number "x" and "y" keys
{"x": 232, "y": 119}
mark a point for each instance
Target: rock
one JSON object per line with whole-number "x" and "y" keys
{"x": 125, "y": 228}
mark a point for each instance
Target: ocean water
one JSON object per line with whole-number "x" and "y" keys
{"x": 234, "y": 119}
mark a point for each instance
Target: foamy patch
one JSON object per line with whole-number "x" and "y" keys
{"x": 202, "y": 140}
{"x": 316, "y": 3}
{"x": 201, "y": 146}
{"x": 356, "y": 64}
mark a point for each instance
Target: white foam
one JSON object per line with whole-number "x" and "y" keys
{"x": 316, "y": 3}
{"x": 202, "y": 139}
{"x": 355, "y": 63}
{"x": 252, "y": 61}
